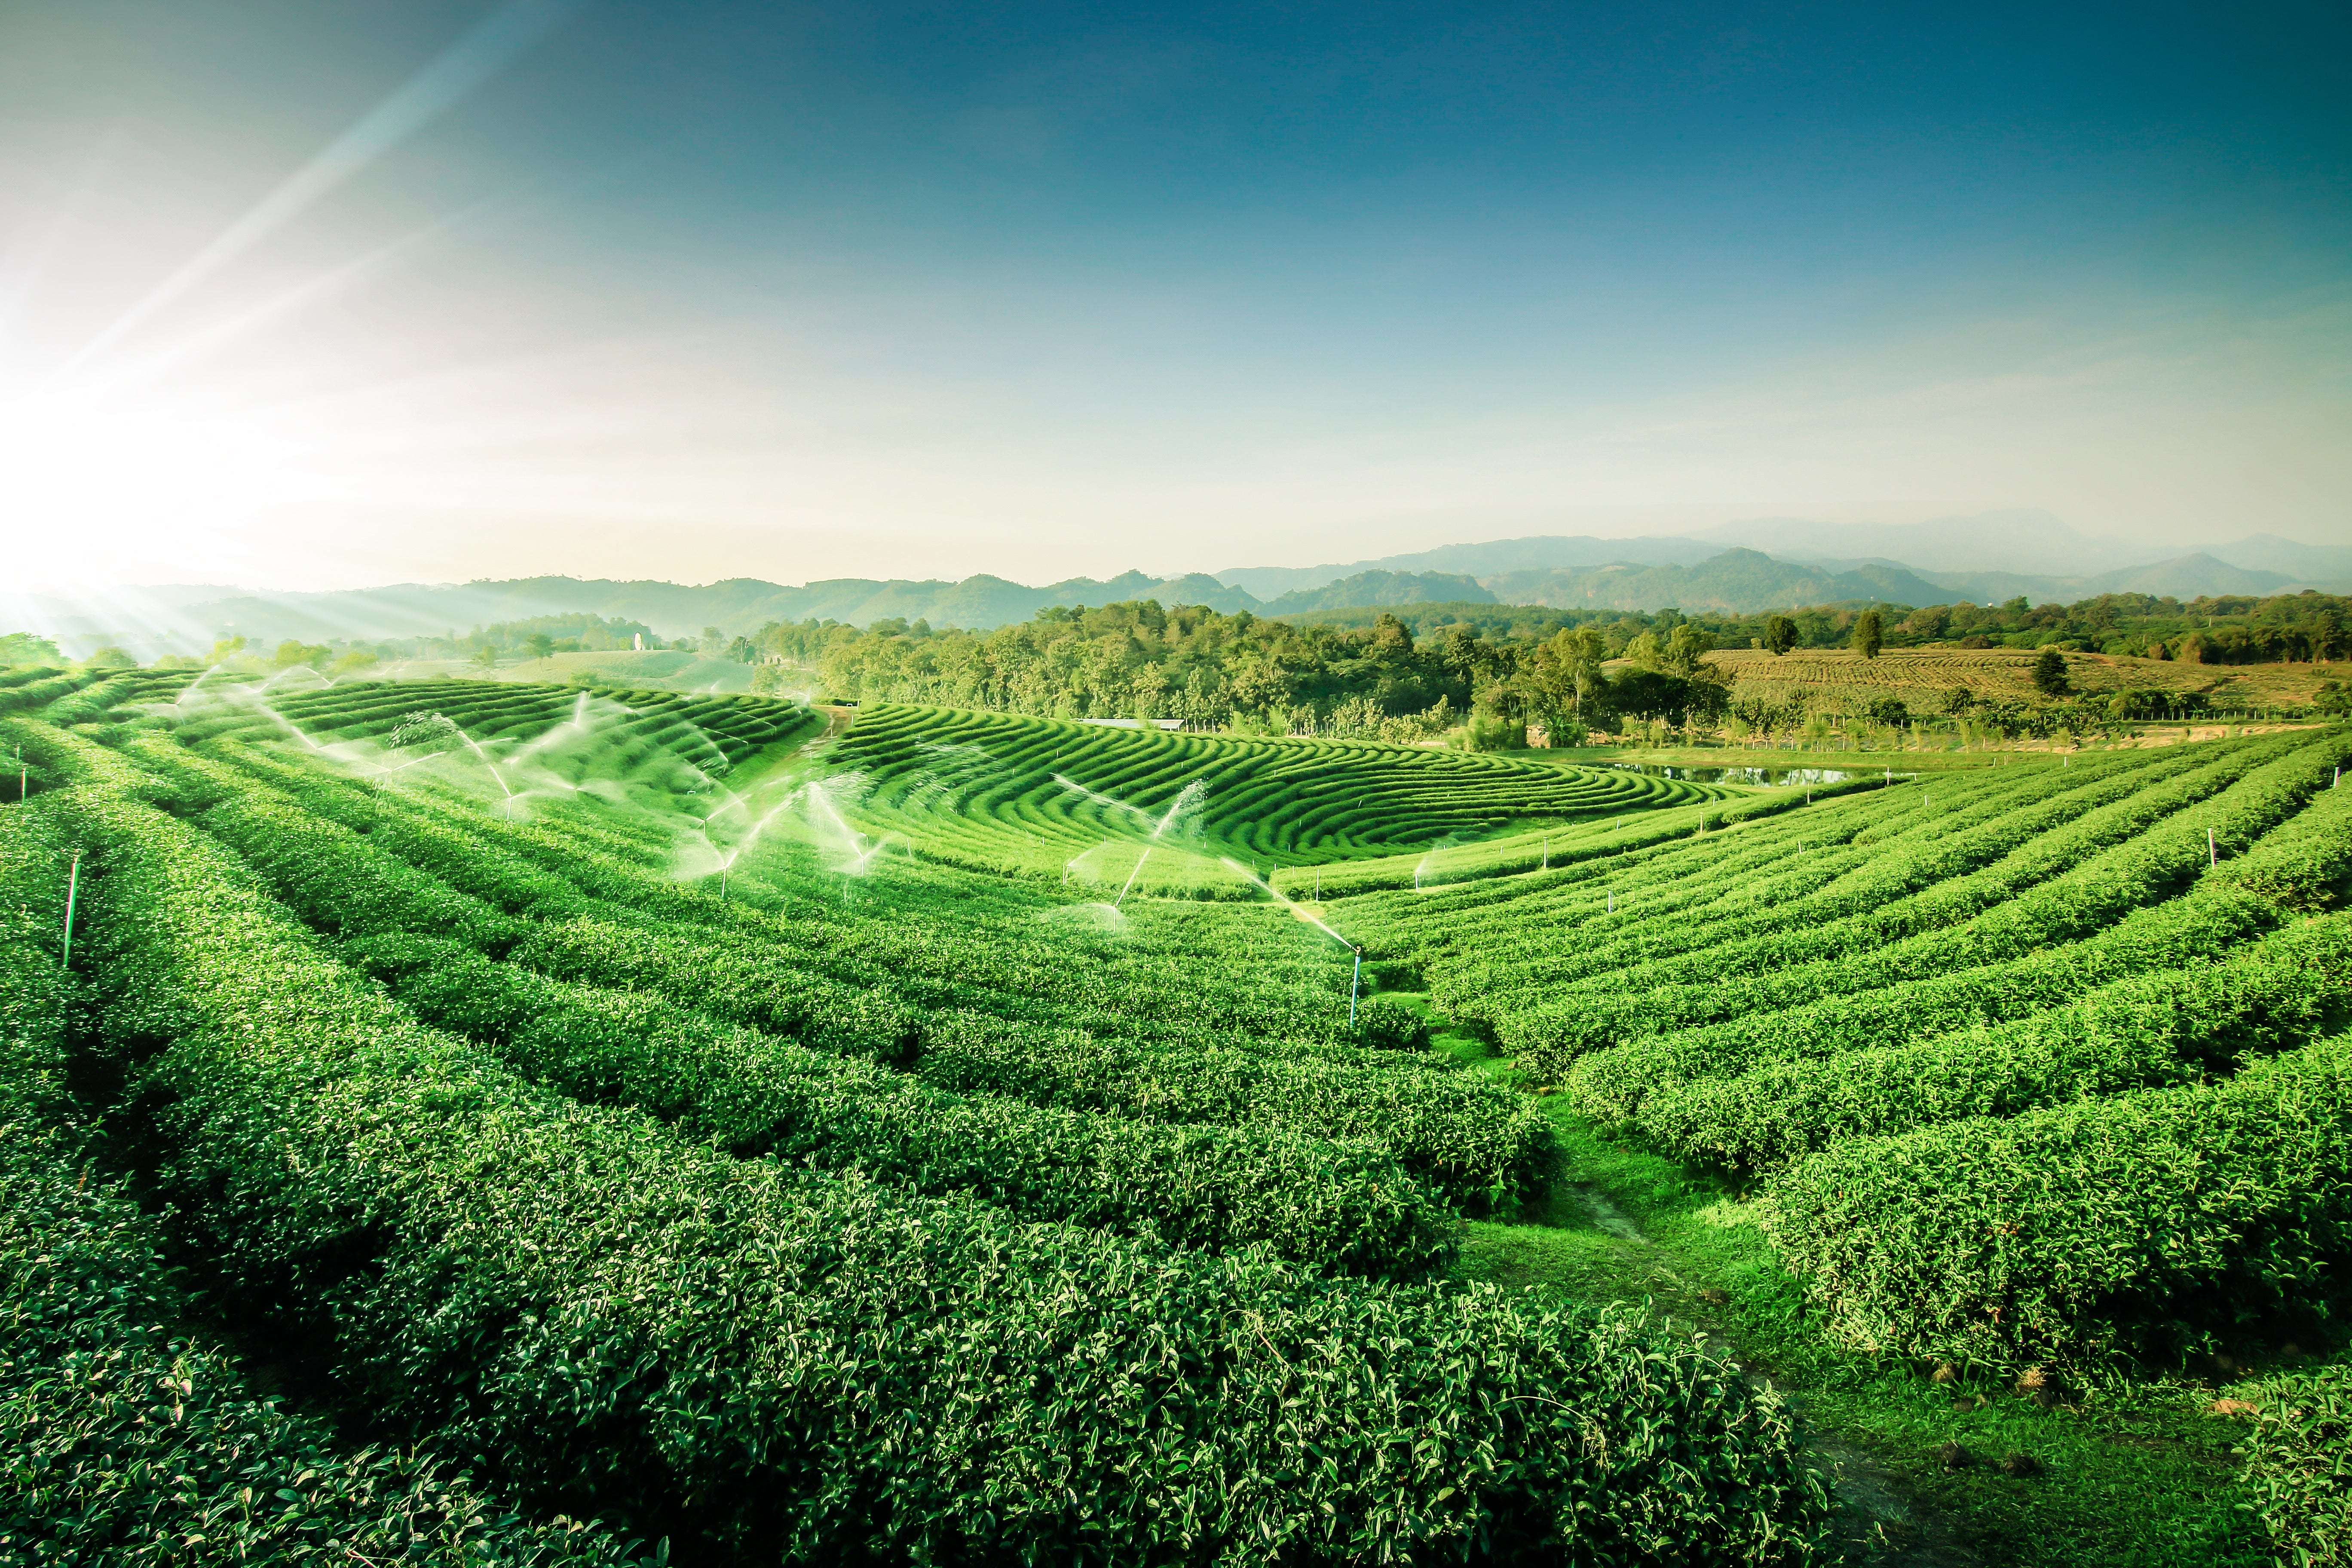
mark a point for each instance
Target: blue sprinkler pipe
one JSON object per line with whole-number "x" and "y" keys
{"x": 1352, "y": 987}
{"x": 73, "y": 885}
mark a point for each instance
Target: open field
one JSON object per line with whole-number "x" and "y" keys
{"x": 688, "y": 1115}
{"x": 1922, "y": 678}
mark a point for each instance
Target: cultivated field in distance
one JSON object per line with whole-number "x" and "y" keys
{"x": 1924, "y": 678}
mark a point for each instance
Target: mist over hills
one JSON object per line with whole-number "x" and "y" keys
{"x": 2032, "y": 553}
{"x": 1726, "y": 569}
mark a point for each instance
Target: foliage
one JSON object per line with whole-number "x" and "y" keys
{"x": 122, "y": 1437}
{"x": 24, "y": 647}
{"x": 1329, "y": 1206}
{"x": 988, "y": 791}
{"x": 2299, "y": 1463}
{"x": 589, "y": 1306}
{"x": 2050, "y": 673}
{"x": 2154, "y": 1222}
{"x": 2037, "y": 1061}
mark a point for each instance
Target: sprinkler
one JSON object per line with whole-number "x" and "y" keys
{"x": 1355, "y": 983}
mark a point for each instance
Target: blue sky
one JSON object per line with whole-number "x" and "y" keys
{"x": 706, "y": 290}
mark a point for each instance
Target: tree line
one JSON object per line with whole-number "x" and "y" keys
{"x": 1373, "y": 675}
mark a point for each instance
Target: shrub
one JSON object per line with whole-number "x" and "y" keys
{"x": 122, "y": 1440}
{"x": 2299, "y": 1464}
{"x": 1389, "y": 1025}
{"x": 797, "y": 1365}
{"x": 1342, "y": 1207}
{"x": 2147, "y": 1223}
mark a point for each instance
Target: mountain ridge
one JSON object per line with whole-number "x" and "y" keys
{"x": 1577, "y": 572}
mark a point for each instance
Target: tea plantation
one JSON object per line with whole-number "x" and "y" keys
{"x": 474, "y": 1122}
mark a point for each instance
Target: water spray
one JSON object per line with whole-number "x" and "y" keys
{"x": 1293, "y": 906}
{"x": 1132, "y": 876}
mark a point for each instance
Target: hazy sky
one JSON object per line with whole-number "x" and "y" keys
{"x": 325, "y": 293}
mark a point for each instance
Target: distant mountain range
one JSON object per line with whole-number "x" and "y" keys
{"x": 1728, "y": 570}
{"x": 2037, "y": 554}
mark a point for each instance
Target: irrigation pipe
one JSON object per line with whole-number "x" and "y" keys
{"x": 73, "y": 885}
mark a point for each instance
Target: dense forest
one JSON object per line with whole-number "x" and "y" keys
{"x": 1403, "y": 673}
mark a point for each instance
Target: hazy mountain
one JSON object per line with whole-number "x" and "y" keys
{"x": 1478, "y": 561}
{"x": 1734, "y": 581}
{"x": 2028, "y": 542}
{"x": 1383, "y": 588}
{"x": 1200, "y": 588}
{"x": 149, "y": 621}
{"x": 2303, "y": 563}
{"x": 2186, "y": 577}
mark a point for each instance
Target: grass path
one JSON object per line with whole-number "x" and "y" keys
{"x": 2137, "y": 1474}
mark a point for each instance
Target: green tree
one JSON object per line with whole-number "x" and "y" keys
{"x": 292, "y": 653}
{"x": 1780, "y": 634}
{"x": 1686, "y": 650}
{"x": 539, "y": 645}
{"x": 2050, "y": 673}
{"x": 486, "y": 656}
{"x": 24, "y": 647}
{"x": 1869, "y": 634}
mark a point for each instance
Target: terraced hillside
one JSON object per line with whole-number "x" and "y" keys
{"x": 697, "y": 728}
{"x": 565, "y": 1090}
{"x": 810, "y": 1217}
{"x": 1102, "y": 804}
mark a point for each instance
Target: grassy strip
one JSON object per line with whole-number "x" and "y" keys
{"x": 2137, "y": 1474}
